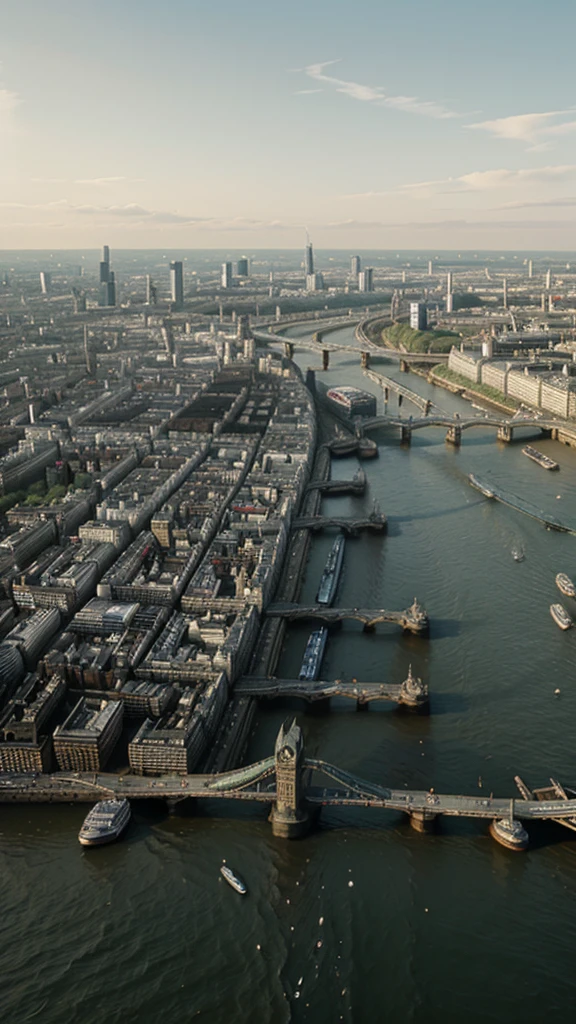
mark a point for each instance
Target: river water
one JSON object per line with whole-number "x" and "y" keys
{"x": 447, "y": 927}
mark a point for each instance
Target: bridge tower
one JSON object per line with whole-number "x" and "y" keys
{"x": 325, "y": 358}
{"x": 289, "y": 349}
{"x": 289, "y": 816}
{"x": 365, "y": 360}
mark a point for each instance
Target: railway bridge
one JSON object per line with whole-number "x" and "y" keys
{"x": 296, "y": 787}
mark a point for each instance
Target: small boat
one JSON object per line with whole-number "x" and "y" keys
{"x": 518, "y": 553}
{"x": 560, "y": 616}
{"x": 509, "y": 833}
{"x": 105, "y": 822}
{"x": 483, "y": 488}
{"x": 233, "y": 880}
{"x": 565, "y": 584}
{"x": 538, "y": 457}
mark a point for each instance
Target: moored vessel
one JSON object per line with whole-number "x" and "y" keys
{"x": 233, "y": 880}
{"x": 331, "y": 573}
{"x": 560, "y": 616}
{"x": 539, "y": 457}
{"x": 105, "y": 822}
{"x": 565, "y": 584}
{"x": 313, "y": 654}
{"x": 483, "y": 488}
{"x": 509, "y": 833}
{"x": 352, "y": 401}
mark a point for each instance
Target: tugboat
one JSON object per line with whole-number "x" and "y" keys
{"x": 331, "y": 574}
{"x": 104, "y": 823}
{"x": 509, "y": 833}
{"x": 565, "y": 584}
{"x": 313, "y": 654}
{"x": 233, "y": 880}
{"x": 560, "y": 616}
{"x": 538, "y": 457}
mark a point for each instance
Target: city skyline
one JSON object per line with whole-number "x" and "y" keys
{"x": 241, "y": 130}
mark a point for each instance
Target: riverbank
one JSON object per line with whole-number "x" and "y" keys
{"x": 459, "y": 385}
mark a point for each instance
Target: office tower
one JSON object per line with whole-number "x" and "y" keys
{"x": 79, "y": 300}
{"x": 243, "y": 327}
{"x": 314, "y": 282}
{"x": 355, "y": 266}
{"x": 177, "y": 283}
{"x": 366, "y": 280}
{"x": 151, "y": 293}
{"x": 243, "y": 267}
{"x": 418, "y": 316}
{"x": 505, "y": 293}
{"x": 449, "y": 302}
{"x": 529, "y": 268}
{"x": 108, "y": 291}
{"x": 89, "y": 354}
{"x": 105, "y": 265}
{"x": 45, "y": 281}
{"x": 226, "y": 275}
{"x": 309, "y": 259}
{"x": 548, "y": 280}
{"x": 430, "y": 268}
{"x": 449, "y": 283}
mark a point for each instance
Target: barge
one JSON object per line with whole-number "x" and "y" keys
{"x": 351, "y": 401}
{"x": 477, "y": 483}
{"x": 560, "y": 616}
{"x": 539, "y": 458}
{"x": 312, "y": 661}
{"x": 331, "y": 574}
{"x": 565, "y": 585}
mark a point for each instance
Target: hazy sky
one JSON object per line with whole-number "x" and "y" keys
{"x": 238, "y": 122}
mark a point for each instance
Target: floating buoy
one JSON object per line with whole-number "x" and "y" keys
{"x": 556, "y": 691}
{"x": 350, "y": 884}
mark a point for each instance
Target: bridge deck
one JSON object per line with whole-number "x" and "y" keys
{"x": 256, "y": 686}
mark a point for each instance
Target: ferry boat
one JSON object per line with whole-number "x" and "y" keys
{"x": 509, "y": 833}
{"x": 233, "y": 880}
{"x": 565, "y": 584}
{"x": 352, "y": 401}
{"x": 313, "y": 654}
{"x": 560, "y": 616}
{"x": 331, "y": 574}
{"x": 105, "y": 822}
{"x": 538, "y": 457}
{"x": 483, "y": 488}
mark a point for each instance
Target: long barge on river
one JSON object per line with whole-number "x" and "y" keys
{"x": 539, "y": 458}
{"x": 491, "y": 490}
{"x": 331, "y": 574}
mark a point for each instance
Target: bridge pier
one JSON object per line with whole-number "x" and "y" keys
{"x": 454, "y": 435}
{"x": 365, "y": 360}
{"x": 404, "y": 367}
{"x": 289, "y": 349}
{"x": 361, "y": 705}
{"x": 505, "y": 433}
{"x": 172, "y": 803}
{"x": 405, "y": 435}
{"x": 422, "y": 821}
{"x": 325, "y": 358}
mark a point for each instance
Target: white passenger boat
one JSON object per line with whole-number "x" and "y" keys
{"x": 560, "y": 616}
{"x": 105, "y": 822}
{"x": 565, "y": 584}
{"x": 233, "y": 880}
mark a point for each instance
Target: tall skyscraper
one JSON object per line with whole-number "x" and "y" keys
{"x": 243, "y": 267}
{"x": 366, "y": 280}
{"x": 309, "y": 259}
{"x": 449, "y": 293}
{"x": 45, "y": 281}
{"x": 226, "y": 275}
{"x": 418, "y": 316}
{"x": 105, "y": 265}
{"x": 150, "y": 291}
{"x": 355, "y": 266}
{"x": 108, "y": 290}
{"x": 177, "y": 283}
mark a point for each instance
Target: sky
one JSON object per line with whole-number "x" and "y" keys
{"x": 242, "y": 124}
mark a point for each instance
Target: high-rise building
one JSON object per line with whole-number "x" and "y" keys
{"x": 529, "y": 268}
{"x": 418, "y": 316}
{"x": 430, "y": 268}
{"x": 151, "y": 293}
{"x": 355, "y": 266}
{"x": 177, "y": 283}
{"x": 45, "y": 281}
{"x": 309, "y": 259}
{"x": 366, "y": 280}
{"x": 505, "y": 293}
{"x": 243, "y": 267}
{"x": 108, "y": 291}
{"x": 105, "y": 265}
{"x": 314, "y": 282}
{"x": 449, "y": 302}
{"x": 226, "y": 275}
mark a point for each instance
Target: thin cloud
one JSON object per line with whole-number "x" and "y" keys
{"x": 558, "y": 203}
{"x": 8, "y": 103}
{"x": 478, "y": 181}
{"x": 376, "y": 94}
{"x": 535, "y": 129}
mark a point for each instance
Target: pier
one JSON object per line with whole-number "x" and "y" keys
{"x": 413, "y": 619}
{"x": 296, "y": 787}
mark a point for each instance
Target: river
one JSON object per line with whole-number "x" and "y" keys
{"x": 434, "y": 928}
